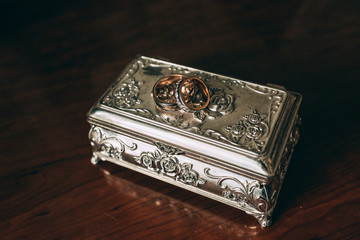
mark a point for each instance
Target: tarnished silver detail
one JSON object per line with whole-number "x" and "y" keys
{"x": 276, "y": 97}
{"x": 287, "y": 153}
{"x": 221, "y": 103}
{"x": 169, "y": 149}
{"x": 125, "y": 95}
{"x": 253, "y": 197}
{"x": 107, "y": 146}
{"x": 257, "y": 198}
{"x": 164, "y": 161}
{"x": 236, "y": 150}
{"x": 249, "y": 132}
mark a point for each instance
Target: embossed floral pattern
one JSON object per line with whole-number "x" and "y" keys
{"x": 249, "y": 132}
{"x": 125, "y": 95}
{"x": 169, "y": 149}
{"x": 107, "y": 146}
{"x": 251, "y": 196}
{"x": 236, "y": 131}
{"x": 220, "y": 104}
{"x": 110, "y": 150}
{"x": 169, "y": 164}
{"x": 164, "y": 161}
{"x": 189, "y": 176}
{"x": 252, "y": 193}
{"x": 148, "y": 159}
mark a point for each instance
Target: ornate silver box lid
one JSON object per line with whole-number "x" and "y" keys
{"x": 242, "y": 127}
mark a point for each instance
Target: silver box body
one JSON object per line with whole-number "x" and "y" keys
{"x": 235, "y": 151}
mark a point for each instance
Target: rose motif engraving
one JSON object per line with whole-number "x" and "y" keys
{"x": 169, "y": 164}
{"x": 255, "y": 118}
{"x": 125, "y": 95}
{"x": 163, "y": 161}
{"x": 148, "y": 159}
{"x": 220, "y": 104}
{"x": 189, "y": 176}
{"x": 236, "y": 131}
{"x": 254, "y": 131}
{"x": 249, "y": 132}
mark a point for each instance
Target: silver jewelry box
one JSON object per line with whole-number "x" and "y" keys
{"x": 229, "y": 140}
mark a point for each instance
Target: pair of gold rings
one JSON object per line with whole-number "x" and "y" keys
{"x": 178, "y": 91}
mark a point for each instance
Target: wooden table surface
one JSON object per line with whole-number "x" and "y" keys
{"x": 58, "y": 57}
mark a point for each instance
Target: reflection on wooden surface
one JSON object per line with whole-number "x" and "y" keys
{"x": 58, "y": 57}
{"x": 191, "y": 214}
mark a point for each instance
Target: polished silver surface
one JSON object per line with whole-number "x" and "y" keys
{"x": 235, "y": 150}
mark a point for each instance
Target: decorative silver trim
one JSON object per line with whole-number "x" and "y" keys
{"x": 108, "y": 146}
{"x": 252, "y": 196}
{"x": 124, "y": 95}
{"x": 256, "y": 198}
{"x": 220, "y": 104}
{"x": 243, "y": 167}
{"x": 163, "y": 161}
{"x": 169, "y": 149}
{"x": 249, "y": 133}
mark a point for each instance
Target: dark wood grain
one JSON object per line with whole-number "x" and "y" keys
{"x": 58, "y": 57}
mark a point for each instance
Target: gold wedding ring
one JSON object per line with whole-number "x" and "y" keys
{"x": 176, "y": 90}
{"x": 164, "y": 91}
{"x": 193, "y": 93}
